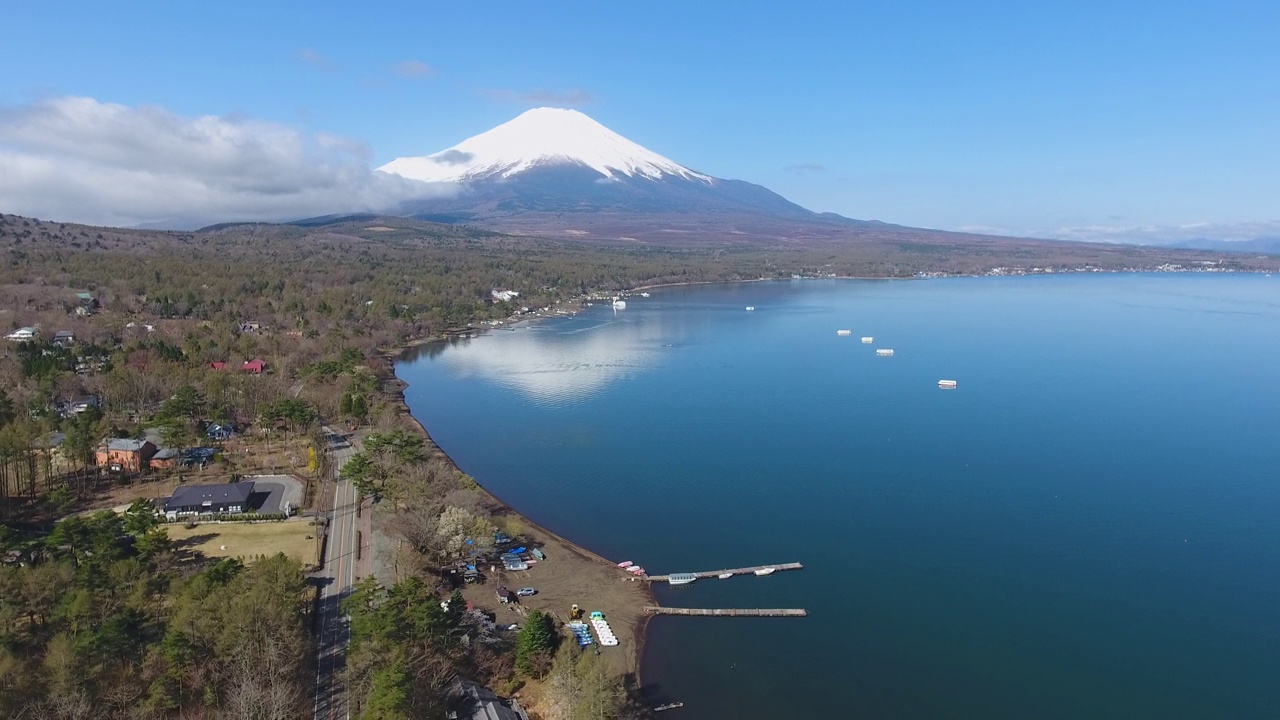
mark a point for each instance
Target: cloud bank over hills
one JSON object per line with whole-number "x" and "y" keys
{"x": 1187, "y": 235}
{"x": 78, "y": 159}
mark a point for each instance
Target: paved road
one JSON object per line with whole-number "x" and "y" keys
{"x": 339, "y": 575}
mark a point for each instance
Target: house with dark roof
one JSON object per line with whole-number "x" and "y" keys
{"x": 64, "y": 338}
{"x": 124, "y": 455}
{"x": 82, "y": 403}
{"x": 473, "y": 701}
{"x": 165, "y": 458}
{"x": 228, "y": 498}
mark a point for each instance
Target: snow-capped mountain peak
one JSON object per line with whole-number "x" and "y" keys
{"x": 538, "y": 138}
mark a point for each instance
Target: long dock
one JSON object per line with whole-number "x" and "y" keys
{"x": 735, "y": 571}
{"x": 726, "y": 612}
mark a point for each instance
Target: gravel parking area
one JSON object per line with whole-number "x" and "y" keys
{"x": 270, "y": 492}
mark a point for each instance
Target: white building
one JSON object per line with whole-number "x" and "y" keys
{"x": 25, "y": 333}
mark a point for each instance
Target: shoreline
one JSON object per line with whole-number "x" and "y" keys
{"x": 500, "y": 508}
{"x": 568, "y": 308}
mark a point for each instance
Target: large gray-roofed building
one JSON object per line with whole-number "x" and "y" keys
{"x": 209, "y": 499}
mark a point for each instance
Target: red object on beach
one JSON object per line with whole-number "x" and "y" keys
{"x": 625, "y": 564}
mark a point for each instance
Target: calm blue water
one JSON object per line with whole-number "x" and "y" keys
{"x": 1088, "y": 527}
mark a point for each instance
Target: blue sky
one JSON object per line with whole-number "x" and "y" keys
{"x": 1047, "y": 118}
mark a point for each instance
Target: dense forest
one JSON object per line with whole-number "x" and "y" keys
{"x": 268, "y": 329}
{"x": 108, "y": 619}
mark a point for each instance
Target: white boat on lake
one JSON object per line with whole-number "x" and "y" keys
{"x": 867, "y": 340}
{"x": 725, "y": 576}
{"x": 644, "y": 294}
{"x": 619, "y": 304}
{"x": 765, "y": 571}
{"x": 884, "y": 352}
{"x": 681, "y": 578}
{"x": 947, "y": 384}
{"x": 843, "y": 333}
{"x": 750, "y": 308}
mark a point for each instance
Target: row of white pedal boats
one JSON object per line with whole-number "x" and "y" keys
{"x": 604, "y": 632}
{"x": 582, "y": 631}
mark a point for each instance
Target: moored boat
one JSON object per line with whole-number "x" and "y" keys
{"x": 725, "y": 575}
{"x": 947, "y": 384}
{"x": 765, "y": 571}
{"x": 681, "y": 578}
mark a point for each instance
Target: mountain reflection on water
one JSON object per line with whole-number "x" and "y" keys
{"x": 1084, "y": 528}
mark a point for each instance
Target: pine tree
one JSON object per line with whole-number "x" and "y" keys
{"x": 535, "y": 644}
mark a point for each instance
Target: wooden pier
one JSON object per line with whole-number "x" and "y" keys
{"x": 727, "y": 612}
{"x": 735, "y": 571}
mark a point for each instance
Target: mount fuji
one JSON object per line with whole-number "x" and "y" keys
{"x": 541, "y": 138}
{"x": 554, "y": 171}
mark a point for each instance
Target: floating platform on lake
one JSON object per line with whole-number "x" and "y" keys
{"x": 727, "y": 612}
{"x": 681, "y": 577}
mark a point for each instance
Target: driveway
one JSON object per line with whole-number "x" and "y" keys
{"x": 270, "y": 492}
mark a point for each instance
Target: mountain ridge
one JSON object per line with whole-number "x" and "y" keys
{"x": 536, "y": 138}
{"x": 553, "y": 171}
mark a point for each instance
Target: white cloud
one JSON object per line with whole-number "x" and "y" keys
{"x": 78, "y": 159}
{"x": 413, "y": 69}
{"x": 1166, "y": 234}
{"x": 1141, "y": 234}
{"x": 314, "y": 59}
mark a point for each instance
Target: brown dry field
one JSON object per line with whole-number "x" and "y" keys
{"x": 249, "y": 540}
{"x": 571, "y": 575}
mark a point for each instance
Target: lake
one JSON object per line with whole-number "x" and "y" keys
{"x": 1086, "y": 527}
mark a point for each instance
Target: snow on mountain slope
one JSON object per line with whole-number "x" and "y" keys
{"x": 539, "y": 138}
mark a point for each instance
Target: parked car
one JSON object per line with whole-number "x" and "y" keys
{"x": 526, "y": 592}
